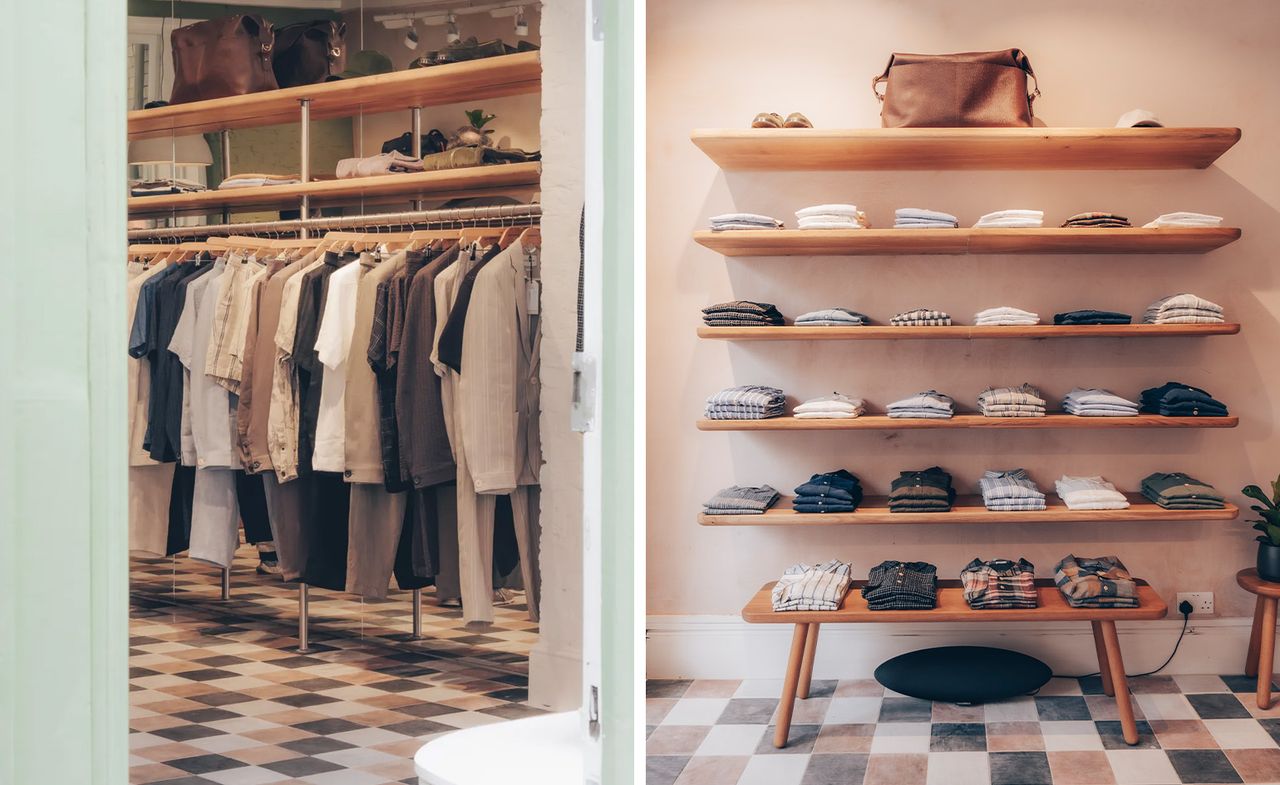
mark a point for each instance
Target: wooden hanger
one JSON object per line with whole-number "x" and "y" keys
{"x": 420, "y": 239}
{"x": 531, "y": 237}
{"x": 508, "y": 237}
{"x": 477, "y": 234}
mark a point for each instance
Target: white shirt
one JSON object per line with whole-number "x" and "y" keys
{"x": 333, "y": 344}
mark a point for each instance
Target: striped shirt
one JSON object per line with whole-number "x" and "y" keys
{"x": 820, "y": 587}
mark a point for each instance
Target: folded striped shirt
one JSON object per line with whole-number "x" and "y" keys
{"x": 820, "y": 587}
{"x": 741, "y": 500}
{"x": 1022, "y": 394}
{"x": 1184, "y": 308}
{"x": 921, "y": 317}
{"x": 746, "y": 402}
{"x": 1006, "y": 486}
{"x": 832, "y": 316}
{"x": 929, "y": 403}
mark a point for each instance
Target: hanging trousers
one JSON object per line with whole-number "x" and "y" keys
{"x": 149, "y": 488}
{"x": 375, "y": 524}
{"x": 215, "y": 516}
{"x": 287, "y": 507}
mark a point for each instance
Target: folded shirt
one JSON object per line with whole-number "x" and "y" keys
{"x": 1005, "y": 315}
{"x": 254, "y": 179}
{"x": 834, "y": 491}
{"x": 174, "y": 185}
{"x": 820, "y": 587}
{"x": 741, "y": 500}
{"x": 831, "y": 216}
{"x": 1089, "y": 493}
{"x": 999, "y": 584}
{"x": 928, "y": 490}
{"x": 1182, "y": 309}
{"x": 1025, "y": 394}
{"x": 385, "y": 163}
{"x": 1184, "y": 219}
{"x": 720, "y": 223}
{"x": 1009, "y": 490}
{"x": 1011, "y": 219}
{"x": 1099, "y": 582}
{"x": 832, "y": 317}
{"x": 1175, "y": 399}
{"x": 920, "y": 218}
{"x": 895, "y": 585}
{"x": 846, "y": 210}
{"x": 921, "y": 317}
{"x": 1098, "y": 403}
{"x": 928, "y": 403}
{"x": 834, "y": 406}
{"x": 741, "y": 313}
{"x": 1096, "y": 220}
{"x": 1178, "y": 491}
{"x": 1091, "y": 316}
{"x": 746, "y": 402}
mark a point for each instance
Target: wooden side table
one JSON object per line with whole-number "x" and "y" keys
{"x": 1260, "y": 661}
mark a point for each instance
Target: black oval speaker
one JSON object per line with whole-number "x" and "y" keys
{"x": 963, "y": 674}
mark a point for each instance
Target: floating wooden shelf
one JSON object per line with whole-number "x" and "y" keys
{"x": 811, "y": 149}
{"x": 962, "y": 332}
{"x": 951, "y": 606}
{"x": 879, "y": 422}
{"x": 475, "y": 80}
{"x": 892, "y": 242}
{"x": 472, "y": 181}
{"x": 967, "y": 509}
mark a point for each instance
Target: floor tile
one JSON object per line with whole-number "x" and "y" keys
{"x": 1167, "y": 707}
{"x": 712, "y": 770}
{"x": 664, "y": 769}
{"x": 1104, "y": 707}
{"x": 1218, "y": 707}
{"x": 850, "y": 738}
{"x": 951, "y": 712}
{"x": 1112, "y": 735}
{"x": 746, "y": 711}
{"x": 1081, "y": 768}
{"x": 905, "y": 710}
{"x": 758, "y": 688}
{"x": 853, "y": 710}
{"x": 811, "y": 711}
{"x": 695, "y": 711}
{"x": 1141, "y": 767}
{"x": 1070, "y": 736}
{"x": 664, "y": 688}
{"x": 1256, "y": 765}
{"x": 1193, "y": 683}
{"x": 958, "y": 737}
{"x": 712, "y": 688}
{"x": 1240, "y": 734}
{"x": 1203, "y": 766}
{"x": 900, "y": 737}
{"x": 774, "y": 770}
{"x": 1241, "y": 683}
{"x": 656, "y": 709}
{"x": 800, "y": 741}
{"x": 838, "y": 769}
{"x": 1183, "y": 734}
{"x": 896, "y": 769}
{"x": 1060, "y": 686}
{"x": 1020, "y": 768}
{"x": 249, "y": 775}
{"x": 1146, "y": 685}
{"x": 721, "y": 740}
{"x": 1012, "y": 710}
{"x": 958, "y": 768}
{"x": 1014, "y": 737}
{"x": 1062, "y": 708}
{"x": 859, "y": 688}
{"x": 677, "y": 739}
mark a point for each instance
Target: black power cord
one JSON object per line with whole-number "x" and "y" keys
{"x": 1185, "y": 609}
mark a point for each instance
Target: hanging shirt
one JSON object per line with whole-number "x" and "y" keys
{"x": 212, "y": 415}
{"x": 333, "y": 345}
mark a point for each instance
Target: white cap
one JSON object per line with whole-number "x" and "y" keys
{"x": 1138, "y": 118}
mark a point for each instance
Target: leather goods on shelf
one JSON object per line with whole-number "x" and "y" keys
{"x": 432, "y": 142}
{"x": 222, "y": 57}
{"x": 470, "y": 49}
{"x": 309, "y": 52}
{"x": 982, "y": 89}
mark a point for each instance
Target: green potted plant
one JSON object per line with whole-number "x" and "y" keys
{"x": 474, "y": 134}
{"x": 1269, "y": 525}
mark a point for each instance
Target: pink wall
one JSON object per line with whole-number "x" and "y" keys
{"x": 718, "y": 62}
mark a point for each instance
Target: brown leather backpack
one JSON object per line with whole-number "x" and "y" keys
{"x": 967, "y": 89}
{"x": 222, "y": 57}
{"x": 309, "y": 52}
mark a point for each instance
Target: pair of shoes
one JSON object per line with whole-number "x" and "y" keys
{"x": 774, "y": 120}
{"x": 269, "y": 567}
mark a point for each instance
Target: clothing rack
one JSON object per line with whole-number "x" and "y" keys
{"x": 447, "y": 218}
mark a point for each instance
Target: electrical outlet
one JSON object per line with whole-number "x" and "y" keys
{"x": 1201, "y": 601}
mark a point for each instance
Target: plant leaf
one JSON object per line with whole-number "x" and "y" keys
{"x": 1254, "y": 492}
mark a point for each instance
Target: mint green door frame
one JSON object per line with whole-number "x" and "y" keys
{"x": 63, "y": 505}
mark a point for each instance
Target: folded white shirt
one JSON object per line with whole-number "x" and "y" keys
{"x": 1089, "y": 493}
{"x": 1008, "y": 223}
{"x": 814, "y": 223}
{"x": 851, "y": 210}
{"x": 1184, "y": 219}
{"x": 1005, "y": 314}
{"x": 835, "y": 402}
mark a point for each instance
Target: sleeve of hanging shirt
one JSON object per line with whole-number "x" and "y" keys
{"x": 183, "y": 341}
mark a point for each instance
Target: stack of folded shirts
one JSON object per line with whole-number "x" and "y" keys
{"x": 901, "y": 586}
{"x": 1184, "y": 219}
{"x": 1005, "y": 315}
{"x": 1175, "y": 399}
{"x": 252, "y": 179}
{"x": 923, "y": 491}
{"x": 1011, "y": 219}
{"x": 919, "y": 218}
{"x": 1010, "y": 491}
{"x": 830, "y": 407}
{"x": 1100, "y": 582}
{"x": 1098, "y": 403}
{"x": 747, "y": 402}
{"x": 1000, "y": 584}
{"x": 820, "y": 587}
{"x": 1089, "y": 493}
{"x": 1183, "y": 309}
{"x": 1178, "y": 491}
{"x": 921, "y": 317}
{"x": 929, "y": 403}
{"x": 741, "y": 500}
{"x": 1023, "y": 401}
{"x": 720, "y": 223}
{"x": 1090, "y": 316}
{"x": 741, "y": 313}
{"x": 831, "y": 317}
{"x": 831, "y": 216}
{"x": 1097, "y": 221}
{"x": 385, "y": 163}
{"x": 166, "y": 186}
{"x": 837, "y": 491}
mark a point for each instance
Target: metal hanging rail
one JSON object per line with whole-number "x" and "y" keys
{"x": 506, "y": 214}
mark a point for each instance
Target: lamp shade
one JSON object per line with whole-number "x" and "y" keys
{"x": 180, "y": 150}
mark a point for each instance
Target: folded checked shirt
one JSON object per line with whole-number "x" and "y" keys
{"x": 921, "y": 317}
{"x": 746, "y": 402}
{"x": 832, "y": 317}
{"x": 741, "y": 500}
{"x": 929, "y": 403}
{"x": 1011, "y": 485}
{"x": 1098, "y": 582}
{"x": 1098, "y": 403}
{"x": 1089, "y": 493}
{"x": 895, "y": 585}
{"x": 820, "y": 587}
{"x": 1024, "y": 394}
{"x": 1091, "y": 316}
{"x": 1182, "y": 307}
{"x": 834, "y": 405}
{"x": 1005, "y": 314}
{"x": 1183, "y": 219}
{"x": 1000, "y": 583}
{"x": 1175, "y": 490}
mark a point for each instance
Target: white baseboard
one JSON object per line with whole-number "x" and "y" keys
{"x": 725, "y": 647}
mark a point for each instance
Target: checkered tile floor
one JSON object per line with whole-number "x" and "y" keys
{"x": 219, "y": 695}
{"x": 1201, "y": 729}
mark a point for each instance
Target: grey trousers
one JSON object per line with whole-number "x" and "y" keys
{"x": 286, "y": 508}
{"x": 149, "y": 488}
{"x": 374, "y": 523}
{"x": 215, "y": 517}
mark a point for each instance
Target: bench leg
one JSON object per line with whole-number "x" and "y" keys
{"x": 1255, "y": 640}
{"x": 1119, "y": 682}
{"x": 1104, "y": 668}
{"x": 806, "y": 665}
{"x": 1266, "y": 651}
{"x": 789, "y": 683}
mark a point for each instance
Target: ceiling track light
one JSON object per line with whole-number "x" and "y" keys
{"x": 522, "y": 27}
{"x": 410, "y": 39}
{"x": 451, "y": 30}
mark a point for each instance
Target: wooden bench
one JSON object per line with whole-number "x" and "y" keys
{"x": 952, "y": 607}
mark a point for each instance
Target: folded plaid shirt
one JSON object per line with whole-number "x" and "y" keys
{"x": 1005, "y": 486}
{"x": 923, "y": 404}
{"x": 818, "y": 588}
{"x": 1100, "y": 582}
{"x": 921, "y": 317}
{"x": 1001, "y": 583}
{"x": 744, "y": 308}
{"x": 746, "y": 402}
{"x": 1023, "y": 394}
{"x": 1181, "y": 302}
{"x": 741, "y": 500}
{"x": 901, "y": 586}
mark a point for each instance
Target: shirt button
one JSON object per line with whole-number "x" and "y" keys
{"x": 257, "y": 464}
{"x": 347, "y": 473}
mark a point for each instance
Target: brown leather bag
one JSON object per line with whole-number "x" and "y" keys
{"x": 222, "y": 57}
{"x": 985, "y": 89}
{"x": 309, "y": 52}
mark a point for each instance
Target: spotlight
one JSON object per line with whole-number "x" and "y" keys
{"x": 522, "y": 27}
{"x": 411, "y": 37}
{"x": 451, "y": 30}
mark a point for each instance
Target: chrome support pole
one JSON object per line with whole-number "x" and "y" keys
{"x": 417, "y": 614}
{"x": 226, "y": 583}
{"x": 304, "y": 166}
{"x": 304, "y": 631}
{"x": 224, "y": 140}
{"x": 415, "y": 131}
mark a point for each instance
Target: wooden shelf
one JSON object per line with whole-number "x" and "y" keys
{"x": 877, "y": 332}
{"x": 951, "y": 606}
{"x": 474, "y": 80}
{"x": 967, "y": 509}
{"x": 892, "y": 242}
{"x": 880, "y": 422}
{"x": 811, "y": 149}
{"x": 472, "y": 181}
